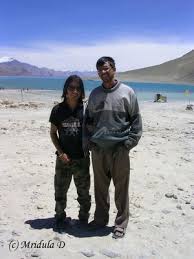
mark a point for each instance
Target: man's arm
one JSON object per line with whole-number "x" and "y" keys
{"x": 135, "y": 130}
{"x": 55, "y": 140}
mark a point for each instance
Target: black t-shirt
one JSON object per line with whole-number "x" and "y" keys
{"x": 69, "y": 126}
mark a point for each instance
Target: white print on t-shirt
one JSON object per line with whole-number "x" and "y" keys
{"x": 71, "y": 126}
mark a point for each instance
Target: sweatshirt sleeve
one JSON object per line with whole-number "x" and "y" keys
{"x": 135, "y": 129}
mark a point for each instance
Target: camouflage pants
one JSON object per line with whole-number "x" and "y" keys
{"x": 79, "y": 169}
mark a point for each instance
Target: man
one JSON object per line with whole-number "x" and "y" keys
{"x": 113, "y": 127}
{"x": 66, "y": 134}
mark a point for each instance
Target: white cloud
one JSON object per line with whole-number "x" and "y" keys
{"x": 128, "y": 54}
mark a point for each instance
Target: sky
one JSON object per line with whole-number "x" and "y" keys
{"x": 72, "y": 35}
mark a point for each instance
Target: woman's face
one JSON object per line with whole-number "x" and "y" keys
{"x": 73, "y": 91}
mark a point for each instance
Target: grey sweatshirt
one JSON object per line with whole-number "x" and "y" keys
{"x": 112, "y": 117}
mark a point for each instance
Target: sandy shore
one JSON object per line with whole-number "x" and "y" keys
{"x": 161, "y": 187}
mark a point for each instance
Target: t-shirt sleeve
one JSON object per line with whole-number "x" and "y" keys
{"x": 53, "y": 117}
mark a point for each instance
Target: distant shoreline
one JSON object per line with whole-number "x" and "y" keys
{"x": 159, "y": 82}
{"x": 151, "y": 82}
{"x": 97, "y": 79}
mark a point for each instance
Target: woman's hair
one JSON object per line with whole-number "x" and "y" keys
{"x": 68, "y": 82}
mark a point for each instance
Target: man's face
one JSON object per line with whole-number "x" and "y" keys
{"x": 106, "y": 73}
{"x": 73, "y": 91}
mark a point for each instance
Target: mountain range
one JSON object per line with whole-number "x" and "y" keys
{"x": 13, "y": 67}
{"x": 179, "y": 70}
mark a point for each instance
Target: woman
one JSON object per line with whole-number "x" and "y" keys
{"x": 66, "y": 134}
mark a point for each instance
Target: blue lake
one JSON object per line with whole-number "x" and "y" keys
{"x": 144, "y": 91}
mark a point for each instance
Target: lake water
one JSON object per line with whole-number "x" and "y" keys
{"x": 144, "y": 91}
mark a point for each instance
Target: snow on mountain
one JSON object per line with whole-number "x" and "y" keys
{"x": 6, "y": 59}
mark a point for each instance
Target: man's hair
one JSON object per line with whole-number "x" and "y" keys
{"x": 101, "y": 61}
{"x": 68, "y": 82}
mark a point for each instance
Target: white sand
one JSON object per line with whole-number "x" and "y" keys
{"x": 162, "y": 163}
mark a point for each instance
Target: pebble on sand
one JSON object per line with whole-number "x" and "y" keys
{"x": 110, "y": 253}
{"x": 87, "y": 253}
{"x": 171, "y": 195}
